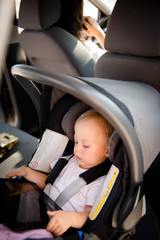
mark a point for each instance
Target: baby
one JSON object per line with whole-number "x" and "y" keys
{"x": 92, "y": 133}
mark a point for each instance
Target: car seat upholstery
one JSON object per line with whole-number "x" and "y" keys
{"x": 49, "y": 47}
{"x": 132, "y": 43}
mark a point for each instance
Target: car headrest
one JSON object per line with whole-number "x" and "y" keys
{"x": 38, "y": 14}
{"x": 134, "y": 28}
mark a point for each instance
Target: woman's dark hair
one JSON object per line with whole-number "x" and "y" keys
{"x": 71, "y": 17}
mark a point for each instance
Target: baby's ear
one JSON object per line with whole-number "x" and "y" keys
{"x": 106, "y": 153}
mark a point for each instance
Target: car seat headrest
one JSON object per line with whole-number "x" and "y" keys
{"x": 69, "y": 120}
{"x": 134, "y": 28}
{"x": 38, "y": 14}
{"x": 113, "y": 142}
{"x": 71, "y": 116}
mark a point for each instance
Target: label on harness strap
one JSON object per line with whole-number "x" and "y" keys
{"x": 104, "y": 194}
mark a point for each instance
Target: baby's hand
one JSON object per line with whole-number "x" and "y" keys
{"x": 59, "y": 222}
{"x": 19, "y": 172}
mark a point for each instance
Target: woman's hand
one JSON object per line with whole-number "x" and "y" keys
{"x": 93, "y": 30}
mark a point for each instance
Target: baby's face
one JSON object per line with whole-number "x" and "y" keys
{"x": 91, "y": 144}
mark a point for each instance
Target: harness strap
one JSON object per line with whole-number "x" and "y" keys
{"x": 70, "y": 191}
{"x": 61, "y": 163}
{"x": 97, "y": 171}
{"x": 84, "y": 179}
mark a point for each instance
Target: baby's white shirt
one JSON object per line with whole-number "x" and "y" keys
{"x": 85, "y": 197}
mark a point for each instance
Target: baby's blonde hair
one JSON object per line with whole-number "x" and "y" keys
{"x": 93, "y": 114}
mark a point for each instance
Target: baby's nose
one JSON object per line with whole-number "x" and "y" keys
{"x": 77, "y": 148}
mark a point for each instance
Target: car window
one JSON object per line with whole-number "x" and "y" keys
{"x": 90, "y": 10}
{"x": 17, "y": 3}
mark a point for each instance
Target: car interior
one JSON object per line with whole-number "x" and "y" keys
{"x": 106, "y": 87}
{"x": 62, "y": 52}
{"x": 46, "y": 54}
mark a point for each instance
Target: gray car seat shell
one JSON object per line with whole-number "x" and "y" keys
{"x": 101, "y": 94}
{"x": 129, "y": 93}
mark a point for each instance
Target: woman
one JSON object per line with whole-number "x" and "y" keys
{"x": 72, "y": 21}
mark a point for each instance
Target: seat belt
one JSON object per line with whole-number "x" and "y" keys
{"x": 84, "y": 178}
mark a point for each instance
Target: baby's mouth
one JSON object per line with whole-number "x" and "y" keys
{"x": 78, "y": 157}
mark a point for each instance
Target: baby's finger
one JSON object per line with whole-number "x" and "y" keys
{"x": 11, "y": 174}
{"x": 51, "y": 213}
{"x": 52, "y": 226}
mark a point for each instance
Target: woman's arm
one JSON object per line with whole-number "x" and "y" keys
{"x": 29, "y": 174}
{"x": 61, "y": 221}
{"x": 93, "y": 29}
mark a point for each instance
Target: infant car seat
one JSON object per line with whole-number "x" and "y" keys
{"x": 118, "y": 214}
